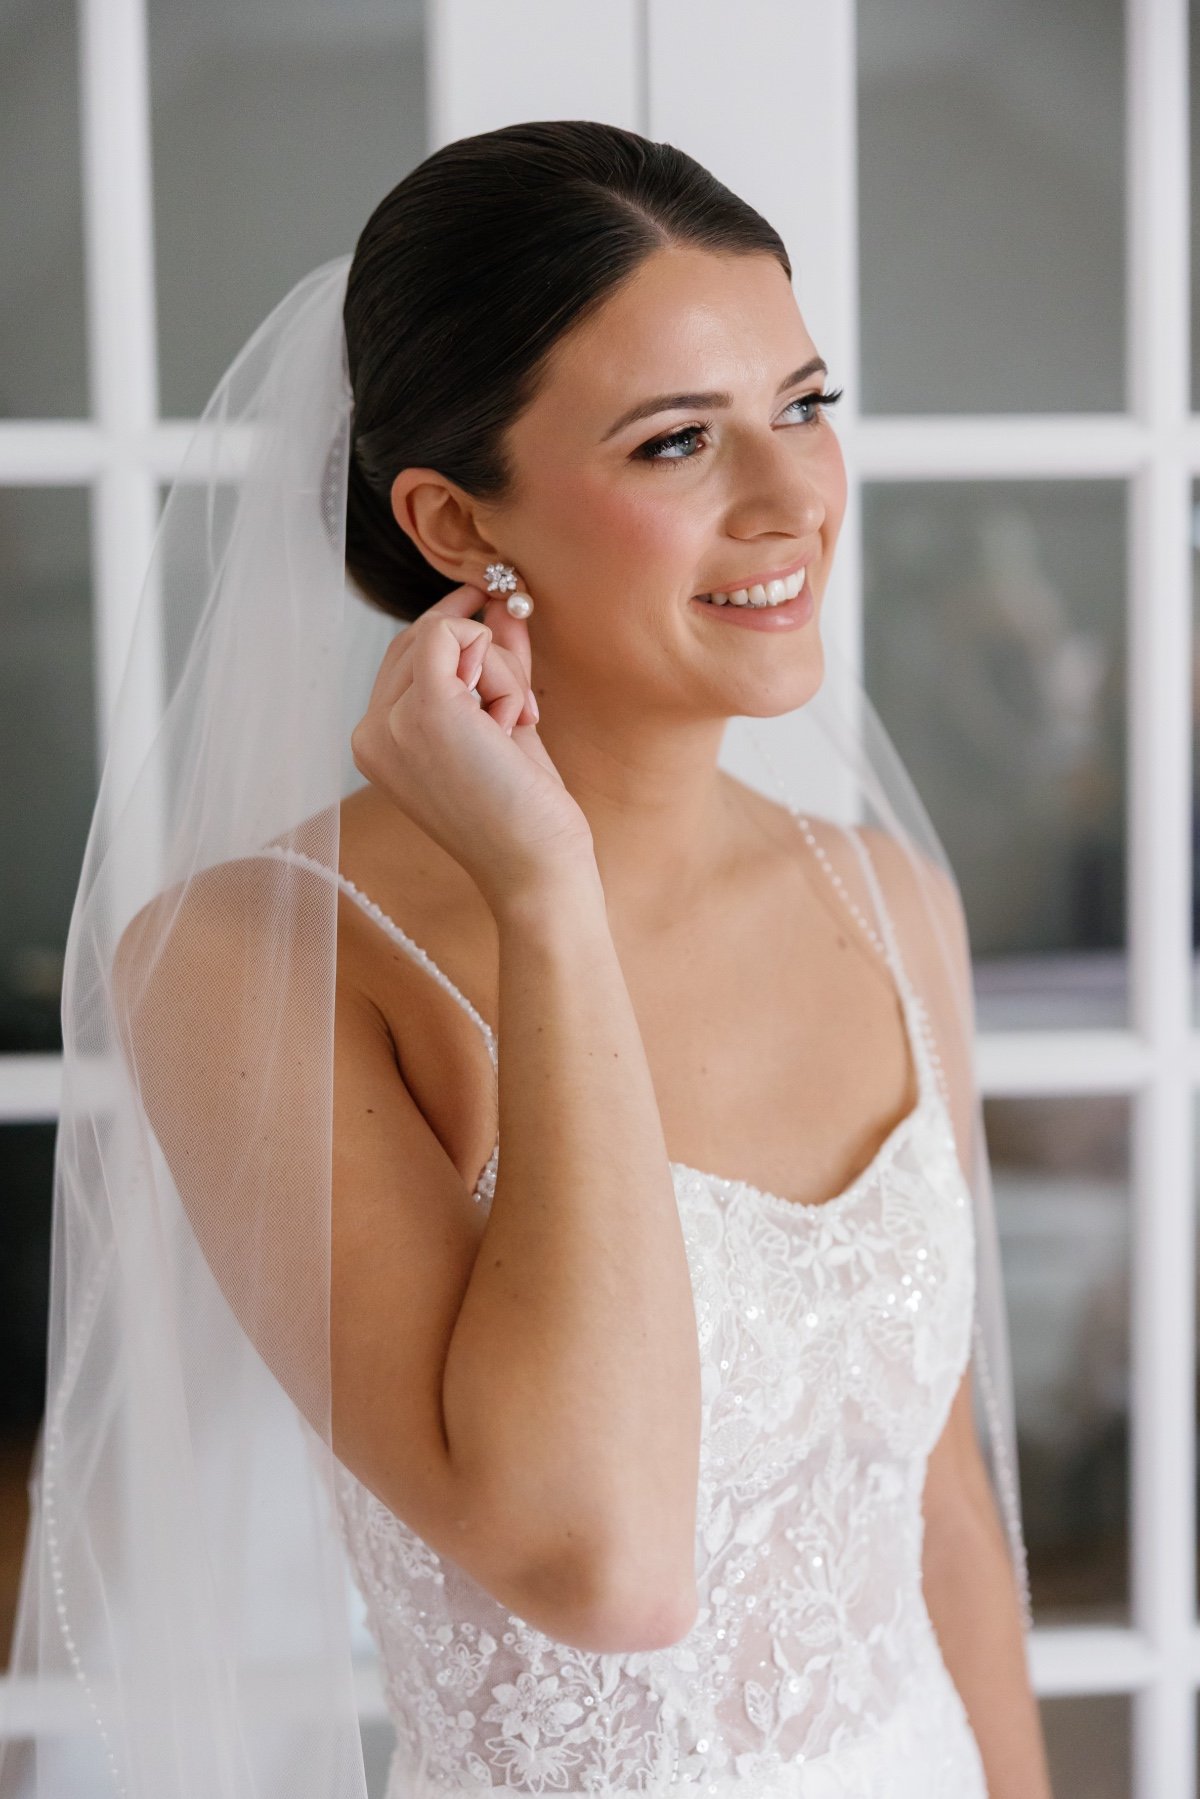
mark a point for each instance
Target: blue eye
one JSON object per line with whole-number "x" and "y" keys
{"x": 653, "y": 451}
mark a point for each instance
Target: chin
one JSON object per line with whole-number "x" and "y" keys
{"x": 794, "y": 686}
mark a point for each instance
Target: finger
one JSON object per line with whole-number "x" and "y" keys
{"x": 502, "y": 686}
{"x": 482, "y": 655}
{"x": 460, "y": 602}
{"x": 446, "y": 655}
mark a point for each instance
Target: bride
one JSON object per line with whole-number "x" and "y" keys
{"x": 653, "y": 1182}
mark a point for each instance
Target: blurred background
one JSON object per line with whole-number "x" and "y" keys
{"x": 991, "y": 208}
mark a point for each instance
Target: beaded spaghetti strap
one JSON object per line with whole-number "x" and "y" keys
{"x": 908, "y": 995}
{"x": 485, "y": 1186}
{"x": 924, "y": 1047}
{"x": 389, "y": 926}
{"x": 1006, "y": 1482}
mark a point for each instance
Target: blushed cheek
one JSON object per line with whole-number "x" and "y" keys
{"x": 661, "y": 537}
{"x": 626, "y": 538}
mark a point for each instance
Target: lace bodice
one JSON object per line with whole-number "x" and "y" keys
{"x": 832, "y": 1340}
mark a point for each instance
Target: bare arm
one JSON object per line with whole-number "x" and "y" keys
{"x": 972, "y": 1599}
{"x": 572, "y": 1380}
{"x": 522, "y": 1391}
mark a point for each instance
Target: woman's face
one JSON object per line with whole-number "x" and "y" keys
{"x": 614, "y": 527}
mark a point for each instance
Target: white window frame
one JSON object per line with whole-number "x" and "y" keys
{"x": 702, "y": 73}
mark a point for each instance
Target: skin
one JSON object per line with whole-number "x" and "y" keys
{"x": 706, "y": 897}
{"x": 597, "y": 535}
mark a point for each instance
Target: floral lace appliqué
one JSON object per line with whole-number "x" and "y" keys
{"x": 832, "y": 1342}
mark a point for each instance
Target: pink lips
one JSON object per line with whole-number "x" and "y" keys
{"x": 779, "y": 574}
{"x": 788, "y": 616}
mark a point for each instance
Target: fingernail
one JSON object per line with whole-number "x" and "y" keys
{"x": 474, "y": 681}
{"x": 533, "y": 705}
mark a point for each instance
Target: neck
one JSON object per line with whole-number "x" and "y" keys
{"x": 663, "y": 816}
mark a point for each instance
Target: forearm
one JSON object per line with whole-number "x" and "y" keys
{"x": 572, "y": 1384}
{"x": 972, "y": 1598}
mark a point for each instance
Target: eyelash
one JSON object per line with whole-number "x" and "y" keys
{"x": 648, "y": 451}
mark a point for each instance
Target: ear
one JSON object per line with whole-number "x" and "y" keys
{"x": 443, "y": 523}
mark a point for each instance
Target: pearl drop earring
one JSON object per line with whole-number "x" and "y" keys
{"x": 502, "y": 577}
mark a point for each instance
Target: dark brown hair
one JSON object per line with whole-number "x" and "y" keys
{"x": 462, "y": 280}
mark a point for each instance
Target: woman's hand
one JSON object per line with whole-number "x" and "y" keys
{"x": 468, "y": 766}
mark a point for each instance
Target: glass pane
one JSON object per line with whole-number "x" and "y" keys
{"x": 47, "y": 751}
{"x": 1195, "y": 799}
{"x": 378, "y": 1741}
{"x": 1194, "y": 121}
{"x": 991, "y": 207}
{"x": 994, "y": 625}
{"x": 1196, "y": 1354}
{"x": 1061, "y": 1173}
{"x": 26, "y": 1183}
{"x": 1090, "y": 1745}
{"x": 43, "y": 368}
{"x": 73, "y": 1765}
{"x": 277, "y": 128}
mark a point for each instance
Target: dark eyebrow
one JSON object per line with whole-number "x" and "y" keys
{"x": 689, "y": 402}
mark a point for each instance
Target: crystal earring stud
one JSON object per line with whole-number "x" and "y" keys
{"x": 502, "y": 577}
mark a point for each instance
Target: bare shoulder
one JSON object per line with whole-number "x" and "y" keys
{"x": 392, "y": 862}
{"x": 921, "y": 895}
{"x": 924, "y": 905}
{"x": 337, "y": 1226}
{"x": 205, "y": 1004}
{"x": 195, "y": 941}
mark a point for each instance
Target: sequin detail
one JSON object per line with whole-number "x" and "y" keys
{"x": 832, "y": 1340}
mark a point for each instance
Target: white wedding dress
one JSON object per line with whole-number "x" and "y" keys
{"x": 832, "y": 1340}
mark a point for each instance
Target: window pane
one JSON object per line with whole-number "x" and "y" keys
{"x": 995, "y": 654}
{"x": 1194, "y": 122}
{"x": 1061, "y": 1173}
{"x": 43, "y": 370}
{"x": 1195, "y": 795}
{"x": 277, "y": 128}
{"x": 26, "y": 1183}
{"x": 378, "y": 1741}
{"x": 991, "y": 210}
{"x": 73, "y": 1765}
{"x": 47, "y": 751}
{"x": 1195, "y": 1360}
{"x": 1089, "y": 1742}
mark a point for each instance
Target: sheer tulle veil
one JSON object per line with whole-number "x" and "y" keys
{"x": 185, "y": 1627}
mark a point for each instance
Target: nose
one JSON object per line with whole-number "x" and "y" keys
{"x": 782, "y": 493}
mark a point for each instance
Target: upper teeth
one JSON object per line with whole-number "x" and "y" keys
{"x": 773, "y": 594}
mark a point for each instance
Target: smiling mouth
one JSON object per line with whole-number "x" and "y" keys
{"x": 770, "y": 593}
